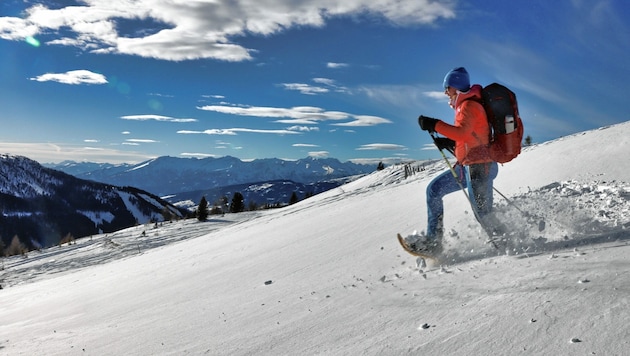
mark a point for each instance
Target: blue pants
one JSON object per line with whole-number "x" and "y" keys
{"x": 476, "y": 177}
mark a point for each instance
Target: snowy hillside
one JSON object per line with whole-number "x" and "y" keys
{"x": 326, "y": 276}
{"x": 41, "y": 206}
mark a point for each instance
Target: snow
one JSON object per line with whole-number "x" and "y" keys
{"x": 98, "y": 217}
{"x": 326, "y": 276}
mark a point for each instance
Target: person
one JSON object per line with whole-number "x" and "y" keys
{"x": 468, "y": 138}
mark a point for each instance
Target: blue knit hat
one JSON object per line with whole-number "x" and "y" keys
{"x": 458, "y": 79}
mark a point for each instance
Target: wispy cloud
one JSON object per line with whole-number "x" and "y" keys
{"x": 198, "y": 29}
{"x": 305, "y": 88}
{"x": 300, "y": 115}
{"x": 198, "y": 155}
{"x": 364, "y": 120}
{"x": 74, "y": 77}
{"x": 214, "y": 96}
{"x": 334, "y": 65}
{"x": 235, "y": 131}
{"x": 332, "y": 85}
{"x": 303, "y": 128}
{"x": 155, "y": 118}
{"x": 45, "y": 152}
{"x": 381, "y": 147}
{"x": 161, "y": 95}
{"x": 403, "y": 96}
{"x": 319, "y": 154}
{"x": 325, "y": 86}
{"x": 141, "y": 140}
{"x": 304, "y": 145}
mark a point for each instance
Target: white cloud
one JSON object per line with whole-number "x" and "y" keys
{"x": 58, "y": 152}
{"x": 235, "y": 131}
{"x": 141, "y": 140}
{"x": 161, "y": 95}
{"x": 332, "y": 84}
{"x": 309, "y": 113}
{"x": 319, "y": 154}
{"x": 156, "y": 118}
{"x": 365, "y": 120}
{"x": 333, "y": 65}
{"x": 326, "y": 85}
{"x": 199, "y": 155}
{"x": 403, "y": 96}
{"x": 185, "y": 30}
{"x": 300, "y": 115}
{"x": 325, "y": 81}
{"x": 213, "y": 96}
{"x": 437, "y": 95}
{"x": 381, "y": 146}
{"x": 305, "y": 88}
{"x": 304, "y": 145}
{"x": 303, "y": 128}
{"x": 73, "y": 77}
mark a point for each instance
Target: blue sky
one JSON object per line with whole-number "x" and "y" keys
{"x": 125, "y": 81}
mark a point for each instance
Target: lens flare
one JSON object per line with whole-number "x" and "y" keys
{"x": 33, "y": 41}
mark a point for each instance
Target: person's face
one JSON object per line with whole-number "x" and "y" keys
{"x": 450, "y": 92}
{"x": 452, "y": 95}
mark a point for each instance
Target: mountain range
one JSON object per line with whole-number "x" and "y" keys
{"x": 261, "y": 181}
{"x": 42, "y": 206}
{"x": 45, "y": 204}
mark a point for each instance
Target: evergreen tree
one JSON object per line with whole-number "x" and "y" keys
{"x": 223, "y": 203}
{"x": 202, "y": 210}
{"x": 16, "y": 247}
{"x": 380, "y": 166}
{"x": 238, "y": 203}
{"x": 528, "y": 140}
{"x": 294, "y": 199}
{"x": 167, "y": 215}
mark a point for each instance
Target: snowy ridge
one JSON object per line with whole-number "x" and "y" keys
{"x": 326, "y": 276}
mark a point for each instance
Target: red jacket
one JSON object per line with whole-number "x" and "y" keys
{"x": 471, "y": 131}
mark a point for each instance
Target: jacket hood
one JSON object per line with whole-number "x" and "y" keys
{"x": 474, "y": 93}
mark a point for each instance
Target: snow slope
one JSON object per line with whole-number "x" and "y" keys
{"x": 327, "y": 277}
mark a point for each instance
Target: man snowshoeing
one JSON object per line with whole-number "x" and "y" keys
{"x": 468, "y": 138}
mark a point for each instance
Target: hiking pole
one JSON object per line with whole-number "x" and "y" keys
{"x": 461, "y": 186}
{"x": 541, "y": 220}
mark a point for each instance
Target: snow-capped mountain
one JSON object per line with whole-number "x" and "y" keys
{"x": 171, "y": 175}
{"x": 41, "y": 205}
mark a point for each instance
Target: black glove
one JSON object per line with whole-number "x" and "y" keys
{"x": 444, "y": 143}
{"x": 427, "y": 123}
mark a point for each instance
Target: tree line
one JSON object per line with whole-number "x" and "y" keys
{"x": 237, "y": 205}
